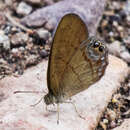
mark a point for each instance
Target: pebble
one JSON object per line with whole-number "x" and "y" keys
{"x": 31, "y": 60}
{"x": 127, "y": 42}
{"x": 115, "y": 48}
{"x": 2, "y": 18}
{"x": 127, "y": 8}
{"x": 43, "y": 53}
{"x": 16, "y": 53}
{"x": 126, "y": 56}
{"x": 23, "y": 9}
{"x": 111, "y": 114}
{"x": 9, "y": 2}
{"x": 37, "y": 2}
{"x": 4, "y": 41}
{"x": 19, "y": 38}
{"x": 44, "y": 34}
{"x": 113, "y": 124}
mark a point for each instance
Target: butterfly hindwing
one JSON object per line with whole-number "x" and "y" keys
{"x": 70, "y": 33}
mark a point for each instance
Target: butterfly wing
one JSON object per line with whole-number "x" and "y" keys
{"x": 81, "y": 72}
{"x": 70, "y": 33}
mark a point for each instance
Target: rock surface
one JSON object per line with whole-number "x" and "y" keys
{"x": 124, "y": 126}
{"x": 90, "y": 11}
{"x": 16, "y": 112}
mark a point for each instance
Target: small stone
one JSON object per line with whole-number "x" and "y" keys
{"x": 120, "y": 28}
{"x": 15, "y": 52}
{"x": 2, "y": 18}
{"x": 35, "y": 1}
{"x": 43, "y": 53}
{"x": 31, "y": 60}
{"x": 115, "y": 48}
{"x": 127, "y": 8}
{"x": 104, "y": 23}
{"x": 23, "y": 9}
{"x": 115, "y": 23}
{"x": 21, "y": 48}
{"x": 44, "y": 34}
{"x": 126, "y": 56}
{"x": 19, "y": 38}
{"x": 111, "y": 34}
{"x": 127, "y": 42}
{"x": 113, "y": 124}
{"x": 111, "y": 114}
{"x": 105, "y": 121}
{"x": 9, "y": 2}
{"x": 4, "y": 41}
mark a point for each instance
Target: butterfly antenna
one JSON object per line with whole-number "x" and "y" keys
{"x": 37, "y": 92}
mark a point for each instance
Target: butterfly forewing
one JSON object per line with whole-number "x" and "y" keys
{"x": 70, "y": 33}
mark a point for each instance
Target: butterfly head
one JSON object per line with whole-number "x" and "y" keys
{"x": 95, "y": 49}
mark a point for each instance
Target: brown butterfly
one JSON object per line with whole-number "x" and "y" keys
{"x": 75, "y": 62}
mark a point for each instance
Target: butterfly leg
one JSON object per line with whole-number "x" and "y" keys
{"x": 58, "y": 113}
{"x": 37, "y": 102}
{"x": 76, "y": 109}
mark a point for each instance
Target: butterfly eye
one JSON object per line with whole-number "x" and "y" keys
{"x": 96, "y": 44}
{"x": 101, "y": 48}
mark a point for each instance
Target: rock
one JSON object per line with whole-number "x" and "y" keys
{"x": 23, "y": 9}
{"x": 35, "y": 1}
{"x": 44, "y": 34}
{"x": 43, "y": 53}
{"x": 9, "y": 2}
{"x": 126, "y": 56}
{"x": 115, "y": 48}
{"x": 15, "y": 108}
{"x": 111, "y": 114}
{"x": 124, "y": 126}
{"x": 52, "y": 14}
{"x": 2, "y": 18}
{"x": 127, "y": 8}
{"x": 19, "y": 39}
{"x": 4, "y": 41}
{"x": 31, "y": 60}
{"x": 41, "y": 2}
{"x": 127, "y": 42}
{"x": 113, "y": 124}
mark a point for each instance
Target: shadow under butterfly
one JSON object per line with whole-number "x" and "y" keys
{"x": 76, "y": 60}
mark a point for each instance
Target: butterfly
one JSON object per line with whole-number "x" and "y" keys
{"x": 76, "y": 60}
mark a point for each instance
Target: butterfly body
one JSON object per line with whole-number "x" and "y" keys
{"x": 76, "y": 61}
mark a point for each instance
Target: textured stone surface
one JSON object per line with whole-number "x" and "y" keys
{"x": 16, "y": 113}
{"x": 90, "y": 11}
{"x": 124, "y": 126}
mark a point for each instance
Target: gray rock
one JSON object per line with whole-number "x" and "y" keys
{"x": 90, "y": 11}
{"x": 19, "y": 38}
{"x": 44, "y": 34}
{"x": 23, "y": 9}
{"x": 126, "y": 56}
{"x": 127, "y": 8}
{"x": 115, "y": 48}
{"x": 43, "y": 53}
{"x": 4, "y": 41}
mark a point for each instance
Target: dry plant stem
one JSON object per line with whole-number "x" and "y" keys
{"x": 11, "y": 19}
